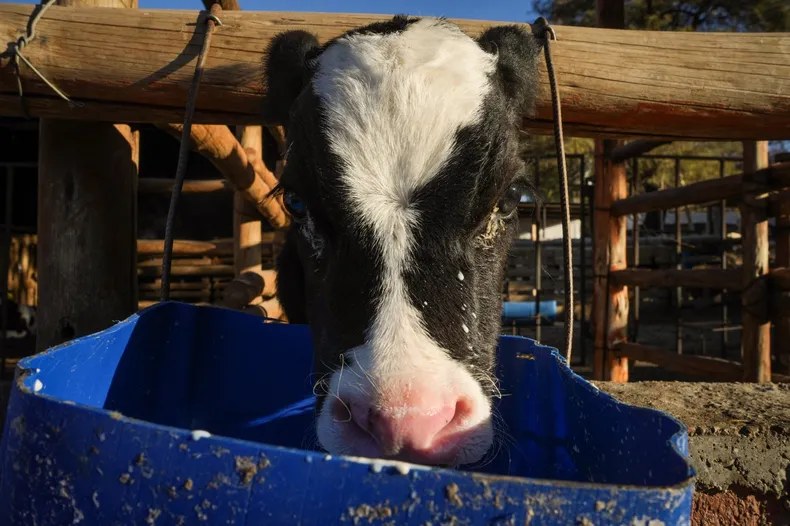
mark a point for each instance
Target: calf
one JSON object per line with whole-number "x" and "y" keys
{"x": 403, "y": 180}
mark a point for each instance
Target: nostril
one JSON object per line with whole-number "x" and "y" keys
{"x": 360, "y": 415}
{"x": 463, "y": 410}
{"x": 341, "y": 411}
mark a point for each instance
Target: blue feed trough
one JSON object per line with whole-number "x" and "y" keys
{"x": 102, "y": 431}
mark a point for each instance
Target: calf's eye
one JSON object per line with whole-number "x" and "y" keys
{"x": 513, "y": 195}
{"x": 295, "y": 206}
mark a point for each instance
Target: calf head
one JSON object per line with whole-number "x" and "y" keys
{"x": 403, "y": 177}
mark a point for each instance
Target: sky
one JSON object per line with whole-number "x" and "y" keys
{"x": 503, "y": 10}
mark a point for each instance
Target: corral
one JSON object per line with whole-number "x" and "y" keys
{"x": 615, "y": 85}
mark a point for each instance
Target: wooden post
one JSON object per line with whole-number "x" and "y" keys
{"x": 246, "y": 228}
{"x": 247, "y": 233}
{"x": 87, "y": 222}
{"x": 610, "y": 303}
{"x": 756, "y": 332}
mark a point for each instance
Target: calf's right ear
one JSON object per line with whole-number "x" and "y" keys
{"x": 518, "y": 56}
{"x": 286, "y": 72}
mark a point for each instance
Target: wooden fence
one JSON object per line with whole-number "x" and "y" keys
{"x": 761, "y": 193}
{"x": 612, "y": 83}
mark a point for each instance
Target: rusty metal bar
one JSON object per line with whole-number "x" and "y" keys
{"x": 679, "y": 256}
{"x": 723, "y": 233}
{"x": 583, "y": 261}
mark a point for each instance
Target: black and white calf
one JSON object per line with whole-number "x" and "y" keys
{"x": 403, "y": 178}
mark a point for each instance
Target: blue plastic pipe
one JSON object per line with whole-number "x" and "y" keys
{"x": 525, "y": 310}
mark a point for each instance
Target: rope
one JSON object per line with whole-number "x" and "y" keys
{"x": 211, "y": 21}
{"x": 16, "y": 51}
{"x": 543, "y": 30}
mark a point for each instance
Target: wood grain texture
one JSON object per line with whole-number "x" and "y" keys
{"x": 87, "y": 223}
{"x": 183, "y": 247}
{"x": 756, "y": 332}
{"x": 247, "y": 227}
{"x": 242, "y": 167}
{"x": 610, "y": 300}
{"x": 151, "y": 185}
{"x": 136, "y": 66}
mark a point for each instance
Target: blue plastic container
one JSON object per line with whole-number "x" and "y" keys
{"x": 100, "y": 432}
{"x": 525, "y": 310}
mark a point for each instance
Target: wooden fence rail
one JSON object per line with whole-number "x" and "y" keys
{"x": 612, "y": 83}
{"x": 776, "y": 177}
{"x": 723, "y": 370}
{"x": 709, "y": 278}
{"x": 150, "y": 185}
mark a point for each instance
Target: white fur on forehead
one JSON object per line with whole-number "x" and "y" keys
{"x": 394, "y": 102}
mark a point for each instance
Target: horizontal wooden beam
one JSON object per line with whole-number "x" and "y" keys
{"x": 188, "y": 270}
{"x": 724, "y": 370}
{"x": 709, "y": 278}
{"x": 634, "y": 149}
{"x": 150, "y": 185}
{"x": 181, "y": 247}
{"x": 776, "y": 177}
{"x": 720, "y": 369}
{"x": 650, "y": 84}
{"x": 692, "y": 194}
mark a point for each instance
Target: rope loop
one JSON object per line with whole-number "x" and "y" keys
{"x": 542, "y": 30}
{"x": 213, "y": 18}
{"x": 541, "y": 27}
{"x": 16, "y": 51}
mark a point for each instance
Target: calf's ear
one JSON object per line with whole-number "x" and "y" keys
{"x": 518, "y": 53}
{"x": 286, "y": 72}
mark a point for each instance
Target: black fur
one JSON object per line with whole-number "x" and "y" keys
{"x": 286, "y": 73}
{"x": 517, "y": 64}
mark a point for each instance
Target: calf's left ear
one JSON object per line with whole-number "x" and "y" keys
{"x": 518, "y": 53}
{"x": 286, "y": 72}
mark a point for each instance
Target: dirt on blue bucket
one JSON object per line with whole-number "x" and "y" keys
{"x": 100, "y": 431}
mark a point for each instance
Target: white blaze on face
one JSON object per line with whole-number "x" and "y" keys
{"x": 393, "y": 104}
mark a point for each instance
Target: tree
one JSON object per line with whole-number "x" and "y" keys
{"x": 677, "y": 15}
